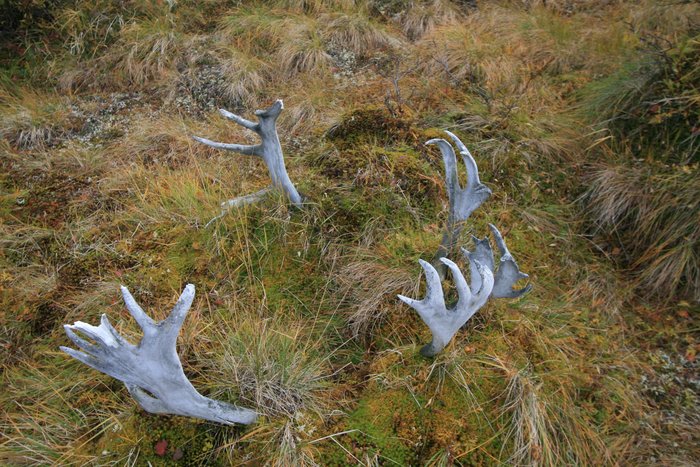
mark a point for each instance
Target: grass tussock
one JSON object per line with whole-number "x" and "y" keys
{"x": 424, "y": 16}
{"x": 275, "y": 368}
{"x": 542, "y": 431}
{"x": 33, "y": 120}
{"x": 149, "y": 49}
{"x": 649, "y": 215}
{"x": 245, "y": 77}
{"x": 357, "y": 33}
{"x": 368, "y": 287}
{"x": 304, "y": 51}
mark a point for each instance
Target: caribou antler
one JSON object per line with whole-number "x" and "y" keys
{"x": 485, "y": 278}
{"x": 444, "y": 323}
{"x": 269, "y": 150}
{"x": 507, "y": 273}
{"x": 463, "y": 201}
{"x": 151, "y": 370}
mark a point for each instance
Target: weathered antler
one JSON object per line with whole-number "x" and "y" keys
{"x": 485, "y": 278}
{"x": 269, "y": 150}
{"x": 507, "y": 273}
{"x": 444, "y": 323}
{"x": 151, "y": 370}
{"x": 463, "y": 201}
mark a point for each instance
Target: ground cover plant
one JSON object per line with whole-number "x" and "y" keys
{"x": 582, "y": 117}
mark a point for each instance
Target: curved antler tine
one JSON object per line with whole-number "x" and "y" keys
{"x": 87, "y": 359}
{"x": 245, "y": 123}
{"x": 245, "y": 149}
{"x": 179, "y": 313}
{"x": 143, "y": 320}
{"x": 433, "y": 293}
{"x": 487, "y": 282}
{"x": 465, "y": 294}
{"x": 97, "y": 333}
{"x": 472, "y": 169}
{"x": 79, "y": 341}
{"x": 104, "y": 322}
{"x": 450, "y": 161}
{"x": 500, "y": 243}
{"x": 408, "y": 301}
{"x": 473, "y": 271}
{"x": 458, "y": 142}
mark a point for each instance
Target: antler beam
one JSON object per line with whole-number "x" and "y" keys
{"x": 151, "y": 370}
{"x": 269, "y": 150}
{"x": 463, "y": 200}
{"x": 443, "y": 322}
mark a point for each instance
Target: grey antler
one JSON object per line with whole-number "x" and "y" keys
{"x": 463, "y": 200}
{"x": 485, "y": 277}
{"x": 151, "y": 370}
{"x": 269, "y": 150}
{"x": 443, "y": 322}
{"x": 507, "y": 273}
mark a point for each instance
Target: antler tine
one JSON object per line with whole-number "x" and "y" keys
{"x": 472, "y": 169}
{"x": 245, "y": 123}
{"x": 434, "y": 297}
{"x": 487, "y": 280}
{"x": 463, "y": 290}
{"x": 245, "y": 149}
{"x": 144, "y": 321}
{"x": 433, "y": 292}
{"x": 180, "y": 310}
{"x": 450, "y": 161}
{"x": 476, "y": 281}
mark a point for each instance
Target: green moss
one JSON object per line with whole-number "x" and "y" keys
{"x": 389, "y": 425}
{"x": 371, "y": 125}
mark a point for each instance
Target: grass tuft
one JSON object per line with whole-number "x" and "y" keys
{"x": 648, "y": 214}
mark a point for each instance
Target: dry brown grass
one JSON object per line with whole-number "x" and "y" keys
{"x": 649, "y": 215}
{"x": 424, "y": 16}
{"x": 303, "y": 50}
{"x": 358, "y": 33}
{"x": 245, "y": 77}
{"x": 544, "y": 430}
{"x": 33, "y": 120}
{"x": 370, "y": 288}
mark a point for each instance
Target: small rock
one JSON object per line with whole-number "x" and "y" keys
{"x": 177, "y": 455}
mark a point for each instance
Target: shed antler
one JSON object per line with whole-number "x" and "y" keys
{"x": 442, "y": 322}
{"x": 151, "y": 370}
{"x": 269, "y": 150}
{"x": 485, "y": 277}
{"x": 463, "y": 201}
